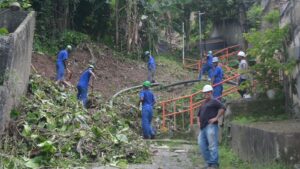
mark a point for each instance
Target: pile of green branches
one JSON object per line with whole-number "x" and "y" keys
{"x": 52, "y": 130}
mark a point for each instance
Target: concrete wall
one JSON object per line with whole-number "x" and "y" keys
{"x": 267, "y": 142}
{"x": 263, "y": 142}
{"x": 15, "y": 57}
{"x": 229, "y": 31}
{"x": 11, "y": 19}
{"x": 290, "y": 16}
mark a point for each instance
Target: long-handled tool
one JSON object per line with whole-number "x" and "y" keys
{"x": 70, "y": 74}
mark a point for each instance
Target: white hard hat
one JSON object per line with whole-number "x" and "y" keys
{"x": 147, "y": 53}
{"x": 15, "y": 6}
{"x": 207, "y": 88}
{"x": 210, "y": 52}
{"x": 91, "y": 66}
{"x": 215, "y": 59}
{"x": 69, "y": 47}
{"x": 241, "y": 53}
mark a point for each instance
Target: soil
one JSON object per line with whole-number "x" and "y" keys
{"x": 113, "y": 72}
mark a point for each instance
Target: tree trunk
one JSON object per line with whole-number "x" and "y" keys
{"x": 132, "y": 30}
{"x": 187, "y": 16}
{"x": 243, "y": 22}
{"x": 117, "y": 23}
{"x": 129, "y": 25}
{"x": 135, "y": 26}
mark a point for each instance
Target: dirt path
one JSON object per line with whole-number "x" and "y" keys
{"x": 170, "y": 155}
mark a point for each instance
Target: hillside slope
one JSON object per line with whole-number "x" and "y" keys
{"x": 114, "y": 72}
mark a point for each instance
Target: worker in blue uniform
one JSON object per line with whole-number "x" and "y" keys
{"x": 151, "y": 67}
{"x": 207, "y": 67}
{"x": 61, "y": 65}
{"x": 217, "y": 77}
{"x": 147, "y": 99}
{"x": 83, "y": 84}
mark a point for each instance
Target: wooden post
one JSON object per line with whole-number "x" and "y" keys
{"x": 174, "y": 110}
{"x": 183, "y": 39}
{"x": 164, "y": 114}
{"x": 227, "y": 53}
{"x": 191, "y": 111}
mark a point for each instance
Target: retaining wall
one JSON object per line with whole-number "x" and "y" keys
{"x": 262, "y": 142}
{"x": 267, "y": 142}
{"x": 15, "y": 59}
{"x": 229, "y": 31}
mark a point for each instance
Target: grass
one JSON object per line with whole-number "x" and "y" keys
{"x": 229, "y": 160}
{"x": 242, "y": 119}
{"x": 173, "y": 65}
{"x": 195, "y": 157}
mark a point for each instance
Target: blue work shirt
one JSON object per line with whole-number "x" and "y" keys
{"x": 151, "y": 63}
{"x": 62, "y": 56}
{"x": 85, "y": 78}
{"x": 209, "y": 59}
{"x": 217, "y": 74}
{"x": 148, "y": 97}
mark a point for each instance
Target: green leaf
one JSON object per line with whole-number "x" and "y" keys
{"x": 27, "y": 130}
{"x": 32, "y": 164}
{"x": 3, "y": 31}
{"x": 97, "y": 132}
{"x": 47, "y": 146}
{"x": 14, "y": 114}
{"x": 122, "y": 164}
{"x": 34, "y": 136}
{"x": 122, "y": 138}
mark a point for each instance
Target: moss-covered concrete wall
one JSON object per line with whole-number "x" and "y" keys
{"x": 15, "y": 59}
{"x": 290, "y": 16}
{"x": 267, "y": 142}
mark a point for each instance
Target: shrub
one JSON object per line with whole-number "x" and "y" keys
{"x": 72, "y": 38}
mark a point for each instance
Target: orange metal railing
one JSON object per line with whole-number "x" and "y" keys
{"x": 193, "y": 103}
{"x": 223, "y": 54}
{"x": 192, "y": 64}
{"x": 187, "y": 104}
{"x": 226, "y": 53}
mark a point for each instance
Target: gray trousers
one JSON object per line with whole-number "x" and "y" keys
{"x": 151, "y": 74}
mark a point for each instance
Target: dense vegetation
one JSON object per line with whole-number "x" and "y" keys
{"x": 130, "y": 26}
{"x": 52, "y": 129}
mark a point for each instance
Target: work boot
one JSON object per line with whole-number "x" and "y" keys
{"x": 213, "y": 166}
{"x": 146, "y": 138}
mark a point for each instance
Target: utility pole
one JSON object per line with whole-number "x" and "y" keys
{"x": 200, "y": 32}
{"x": 183, "y": 39}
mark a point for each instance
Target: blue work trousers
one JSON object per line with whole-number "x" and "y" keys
{"x": 205, "y": 68}
{"x": 217, "y": 92}
{"x": 82, "y": 94}
{"x": 147, "y": 113}
{"x": 208, "y": 144}
{"x": 151, "y": 73}
{"x": 60, "y": 71}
